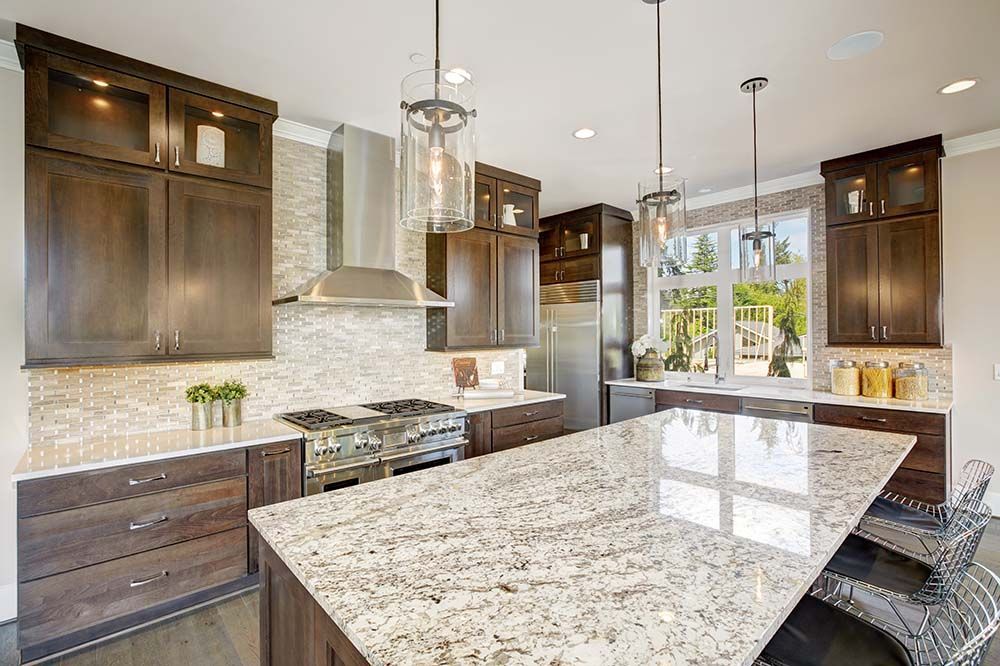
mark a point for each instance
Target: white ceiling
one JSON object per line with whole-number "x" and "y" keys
{"x": 547, "y": 67}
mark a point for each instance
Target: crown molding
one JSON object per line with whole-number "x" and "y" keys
{"x": 289, "y": 129}
{"x": 795, "y": 181}
{"x": 8, "y": 56}
{"x": 972, "y": 143}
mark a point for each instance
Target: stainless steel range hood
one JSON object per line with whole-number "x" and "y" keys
{"x": 361, "y": 230}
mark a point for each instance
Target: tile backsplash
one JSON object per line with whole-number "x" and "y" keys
{"x": 324, "y": 356}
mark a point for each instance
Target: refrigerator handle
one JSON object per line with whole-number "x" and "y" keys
{"x": 554, "y": 332}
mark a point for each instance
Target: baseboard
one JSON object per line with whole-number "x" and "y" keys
{"x": 8, "y": 602}
{"x": 993, "y": 499}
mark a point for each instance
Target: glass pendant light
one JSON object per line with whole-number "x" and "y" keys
{"x": 756, "y": 242}
{"x": 662, "y": 202}
{"x": 437, "y": 159}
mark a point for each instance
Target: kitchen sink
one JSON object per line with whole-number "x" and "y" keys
{"x": 722, "y": 387}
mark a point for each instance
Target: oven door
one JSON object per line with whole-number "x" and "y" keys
{"x": 414, "y": 461}
{"x": 321, "y": 480}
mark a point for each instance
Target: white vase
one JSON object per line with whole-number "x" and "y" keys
{"x": 211, "y": 146}
{"x": 508, "y": 215}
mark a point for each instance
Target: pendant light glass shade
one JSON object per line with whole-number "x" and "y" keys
{"x": 437, "y": 159}
{"x": 757, "y": 253}
{"x": 662, "y": 216}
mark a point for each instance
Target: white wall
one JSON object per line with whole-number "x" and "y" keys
{"x": 971, "y": 226}
{"x": 13, "y": 382}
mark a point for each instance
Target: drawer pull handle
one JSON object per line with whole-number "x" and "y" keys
{"x": 145, "y": 581}
{"x": 871, "y": 419}
{"x": 531, "y": 438}
{"x": 532, "y": 413}
{"x": 148, "y": 523}
{"x": 695, "y": 402}
{"x": 264, "y": 454}
{"x": 136, "y": 482}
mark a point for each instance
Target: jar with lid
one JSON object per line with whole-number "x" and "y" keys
{"x": 845, "y": 377}
{"x": 910, "y": 381}
{"x": 876, "y": 380}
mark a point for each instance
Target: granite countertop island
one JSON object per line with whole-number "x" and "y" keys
{"x": 679, "y": 538}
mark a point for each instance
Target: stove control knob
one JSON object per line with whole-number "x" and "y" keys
{"x": 454, "y": 426}
{"x": 425, "y": 430}
{"x": 361, "y": 440}
{"x": 412, "y": 435}
{"x": 319, "y": 449}
{"x": 374, "y": 443}
{"x": 334, "y": 446}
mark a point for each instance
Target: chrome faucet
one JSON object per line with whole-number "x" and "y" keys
{"x": 715, "y": 344}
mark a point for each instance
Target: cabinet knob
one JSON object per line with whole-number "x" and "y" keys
{"x": 871, "y": 209}
{"x": 501, "y": 336}
{"x": 156, "y": 340}
{"x": 874, "y": 337}
{"x": 885, "y": 332}
{"x": 177, "y": 340}
{"x": 156, "y": 155}
{"x": 177, "y": 156}
{"x": 883, "y": 206}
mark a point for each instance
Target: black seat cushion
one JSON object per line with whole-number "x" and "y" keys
{"x": 817, "y": 634}
{"x": 867, "y": 561}
{"x": 904, "y": 515}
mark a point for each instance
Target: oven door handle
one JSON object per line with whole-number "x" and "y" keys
{"x": 454, "y": 444}
{"x": 313, "y": 473}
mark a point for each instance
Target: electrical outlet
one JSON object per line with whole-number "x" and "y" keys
{"x": 498, "y": 367}
{"x": 996, "y": 372}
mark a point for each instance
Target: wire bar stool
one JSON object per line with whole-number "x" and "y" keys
{"x": 829, "y": 629}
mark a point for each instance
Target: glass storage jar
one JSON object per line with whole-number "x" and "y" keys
{"x": 876, "y": 380}
{"x": 910, "y": 381}
{"x": 845, "y": 377}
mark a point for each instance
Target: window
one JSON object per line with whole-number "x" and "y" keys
{"x": 709, "y": 319}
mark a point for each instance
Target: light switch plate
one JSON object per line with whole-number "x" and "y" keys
{"x": 996, "y": 372}
{"x": 497, "y": 368}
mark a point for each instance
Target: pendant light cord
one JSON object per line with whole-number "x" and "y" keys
{"x": 659, "y": 96}
{"x": 756, "y": 222}
{"x": 437, "y": 34}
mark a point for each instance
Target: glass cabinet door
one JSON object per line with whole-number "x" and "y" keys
{"x": 851, "y": 195}
{"x": 77, "y": 107}
{"x": 548, "y": 242}
{"x": 908, "y": 184}
{"x": 580, "y": 236}
{"x": 486, "y": 202}
{"x": 219, "y": 140}
{"x": 517, "y": 209}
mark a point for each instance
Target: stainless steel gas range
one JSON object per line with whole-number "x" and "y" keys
{"x": 349, "y": 445}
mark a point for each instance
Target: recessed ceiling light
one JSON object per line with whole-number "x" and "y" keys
{"x": 855, "y": 45}
{"x": 457, "y": 76}
{"x": 705, "y": 190}
{"x": 585, "y": 133}
{"x": 418, "y": 58}
{"x": 663, "y": 169}
{"x": 958, "y": 86}
{"x": 100, "y": 84}
{"x": 218, "y": 114}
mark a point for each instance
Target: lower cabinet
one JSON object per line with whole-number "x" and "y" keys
{"x": 511, "y": 427}
{"x": 103, "y": 551}
{"x": 713, "y": 402}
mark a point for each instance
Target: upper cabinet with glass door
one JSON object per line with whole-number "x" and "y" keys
{"x": 81, "y": 108}
{"x": 506, "y": 201}
{"x": 888, "y": 182}
{"x": 212, "y": 138}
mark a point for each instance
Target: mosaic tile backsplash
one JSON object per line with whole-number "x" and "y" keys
{"x": 324, "y": 356}
{"x": 938, "y": 361}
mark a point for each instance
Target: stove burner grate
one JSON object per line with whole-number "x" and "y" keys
{"x": 316, "y": 419}
{"x": 414, "y": 407}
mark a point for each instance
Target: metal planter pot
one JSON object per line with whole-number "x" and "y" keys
{"x": 201, "y": 415}
{"x": 649, "y": 368}
{"x": 232, "y": 414}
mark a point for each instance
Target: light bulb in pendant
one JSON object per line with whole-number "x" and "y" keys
{"x": 758, "y": 252}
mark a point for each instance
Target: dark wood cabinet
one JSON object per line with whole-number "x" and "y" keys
{"x": 90, "y": 110}
{"x": 571, "y": 234}
{"x": 274, "y": 474}
{"x": 479, "y": 434}
{"x": 96, "y": 274}
{"x": 572, "y": 270}
{"x": 577, "y": 245}
{"x": 711, "y": 402}
{"x": 884, "y": 274}
{"x": 99, "y": 288}
{"x": 246, "y": 136}
{"x": 220, "y": 270}
{"x": 491, "y": 272}
{"x": 518, "y": 309}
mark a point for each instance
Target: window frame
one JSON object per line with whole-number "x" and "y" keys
{"x": 723, "y": 280}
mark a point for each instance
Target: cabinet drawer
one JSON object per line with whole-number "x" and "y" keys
{"x": 68, "y": 602}
{"x": 581, "y": 268}
{"x": 509, "y": 416}
{"x": 927, "y": 455}
{"x": 56, "y": 542}
{"x": 923, "y": 486}
{"x": 526, "y": 433}
{"x": 707, "y": 401}
{"x": 880, "y": 419}
{"x": 74, "y": 490}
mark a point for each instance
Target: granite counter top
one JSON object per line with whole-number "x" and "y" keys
{"x": 681, "y": 537}
{"x": 520, "y": 398}
{"x": 98, "y": 453}
{"x": 933, "y": 405}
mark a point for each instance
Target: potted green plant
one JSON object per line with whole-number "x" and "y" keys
{"x": 201, "y": 397}
{"x": 231, "y": 393}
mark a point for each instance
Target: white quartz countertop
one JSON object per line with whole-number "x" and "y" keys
{"x": 933, "y": 405}
{"x": 680, "y": 537}
{"x": 472, "y": 406}
{"x": 97, "y": 453}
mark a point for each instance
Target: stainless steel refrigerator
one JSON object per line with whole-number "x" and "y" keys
{"x": 568, "y": 360}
